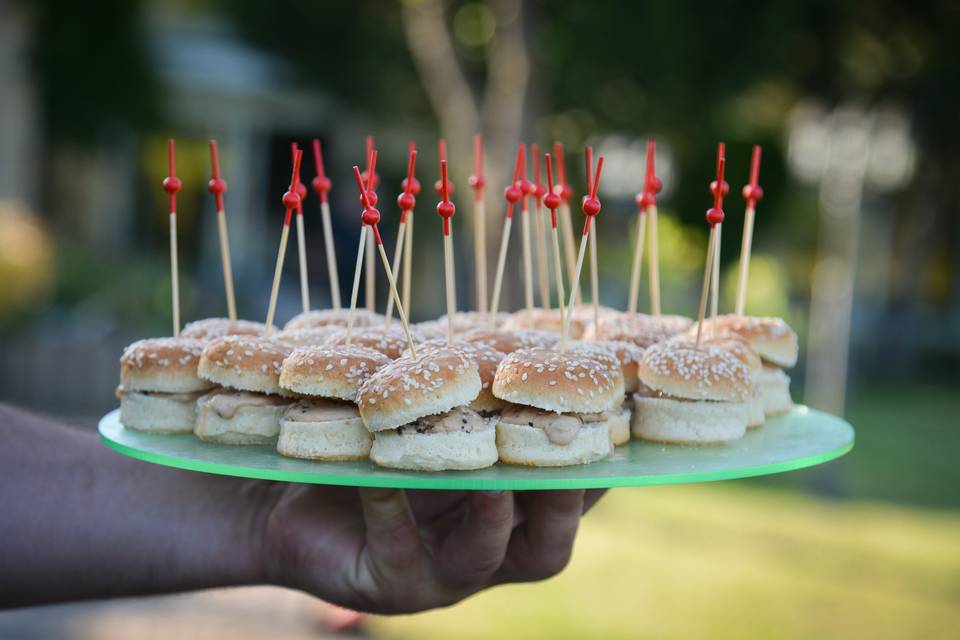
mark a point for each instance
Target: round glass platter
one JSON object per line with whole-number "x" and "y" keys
{"x": 802, "y": 438}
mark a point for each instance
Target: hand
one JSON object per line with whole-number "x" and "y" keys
{"x": 390, "y": 551}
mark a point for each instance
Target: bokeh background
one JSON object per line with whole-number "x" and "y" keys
{"x": 857, "y": 245}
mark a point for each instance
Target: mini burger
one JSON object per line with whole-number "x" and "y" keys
{"x": 417, "y": 408}
{"x": 462, "y": 321}
{"x": 776, "y": 343}
{"x": 691, "y": 394}
{"x": 335, "y": 317}
{"x": 210, "y": 328}
{"x": 623, "y": 356}
{"x": 246, "y": 409}
{"x": 507, "y": 341}
{"x": 641, "y": 329}
{"x": 558, "y": 411}
{"x": 537, "y": 319}
{"x": 326, "y": 424}
{"x": 390, "y": 343}
{"x": 159, "y": 385}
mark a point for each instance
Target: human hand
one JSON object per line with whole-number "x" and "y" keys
{"x": 391, "y": 551}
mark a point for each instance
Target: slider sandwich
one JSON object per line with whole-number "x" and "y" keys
{"x": 210, "y": 328}
{"x": 307, "y": 337}
{"x": 390, "y": 343}
{"x": 326, "y": 424}
{"x": 538, "y": 319}
{"x": 417, "y": 408}
{"x": 159, "y": 385}
{"x": 336, "y": 317}
{"x": 508, "y": 341}
{"x": 691, "y": 394}
{"x": 462, "y": 321}
{"x": 246, "y": 409}
{"x": 639, "y": 328}
{"x": 624, "y": 356}
{"x": 776, "y": 343}
{"x": 559, "y": 407}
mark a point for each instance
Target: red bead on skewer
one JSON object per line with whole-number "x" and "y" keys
{"x": 406, "y": 200}
{"x": 538, "y": 189}
{"x": 445, "y": 208}
{"x": 551, "y": 200}
{"x": 172, "y": 184}
{"x": 513, "y": 192}
{"x": 591, "y": 203}
{"x": 476, "y": 181}
{"x": 370, "y": 192}
{"x": 321, "y": 183}
{"x": 725, "y": 189}
{"x": 715, "y": 213}
{"x": 413, "y": 184}
{"x": 526, "y": 186}
{"x": 566, "y": 191}
{"x": 366, "y": 172}
{"x": 651, "y": 183}
{"x": 370, "y": 215}
{"x": 291, "y": 199}
{"x": 301, "y": 188}
{"x": 752, "y": 192}
{"x": 442, "y": 156}
{"x": 217, "y": 185}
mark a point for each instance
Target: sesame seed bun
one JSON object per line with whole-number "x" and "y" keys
{"x": 624, "y": 355}
{"x": 330, "y": 440}
{"x": 772, "y": 338}
{"x": 774, "y": 388}
{"x": 529, "y": 446}
{"x": 485, "y": 358}
{"x": 536, "y": 318}
{"x": 507, "y": 341}
{"x": 210, "y": 328}
{"x": 462, "y": 321}
{"x": 330, "y": 371}
{"x": 685, "y": 422}
{"x": 733, "y": 343}
{"x": 413, "y": 387}
{"x": 248, "y": 363}
{"x": 565, "y": 383}
{"x": 619, "y": 425}
{"x": 685, "y": 370}
{"x": 309, "y": 336}
{"x": 390, "y": 343}
{"x": 336, "y": 317}
{"x": 582, "y": 318}
{"x": 162, "y": 364}
{"x": 458, "y": 450}
{"x": 640, "y": 329}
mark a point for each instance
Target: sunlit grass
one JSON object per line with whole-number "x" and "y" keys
{"x": 727, "y": 561}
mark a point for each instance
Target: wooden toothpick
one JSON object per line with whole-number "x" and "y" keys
{"x": 217, "y": 186}
{"x": 302, "y": 242}
{"x": 406, "y": 201}
{"x": 371, "y": 179}
{"x": 644, "y": 199}
{"x": 446, "y": 210}
{"x": 172, "y": 184}
{"x": 477, "y": 183}
{"x": 321, "y": 185}
{"x": 527, "y": 188}
{"x": 552, "y": 200}
{"x": 543, "y": 273}
{"x": 565, "y": 191}
{"x": 714, "y": 218}
{"x": 715, "y": 270}
{"x": 290, "y": 201}
{"x": 513, "y": 193}
{"x": 414, "y": 186}
{"x": 752, "y": 193}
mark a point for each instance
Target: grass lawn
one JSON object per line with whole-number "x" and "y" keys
{"x": 729, "y": 560}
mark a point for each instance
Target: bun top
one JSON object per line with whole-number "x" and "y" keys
{"x": 640, "y": 329}
{"x": 733, "y": 343}
{"x": 462, "y": 321}
{"x": 485, "y": 359}
{"x": 685, "y": 370}
{"x": 537, "y": 318}
{"x": 410, "y": 387}
{"x": 566, "y": 383}
{"x": 625, "y": 355}
{"x": 582, "y": 318}
{"x": 508, "y": 341}
{"x": 336, "y": 317}
{"x": 309, "y": 336}
{"x": 165, "y": 365}
{"x": 248, "y": 363}
{"x": 210, "y": 328}
{"x": 772, "y": 338}
{"x": 330, "y": 371}
{"x": 390, "y": 343}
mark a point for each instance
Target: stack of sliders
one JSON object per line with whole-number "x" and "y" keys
{"x": 159, "y": 385}
{"x": 691, "y": 394}
{"x": 557, "y": 403}
{"x": 325, "y": 423}
{"x": 776, "y": 343}
{"x": 246, "y": 407}
{"x": 417, "y": 407}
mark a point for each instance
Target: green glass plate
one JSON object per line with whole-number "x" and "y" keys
{"x": 802, "y": 438}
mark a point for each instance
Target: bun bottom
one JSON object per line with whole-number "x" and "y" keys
{"x": 693, "y": 422}
{"x": 757, "y": 413}
{"x": 249, "y": 425}
{"x": 619, "y": 424}
{"x": 156, "y": 413}
{"x": 444, "y": 451}
{"x": 774, "y": 387}
{"x": 529, "y": 446}
{"x": 331, "y": 440}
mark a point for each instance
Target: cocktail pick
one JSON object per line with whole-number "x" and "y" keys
{"x": 651, "y": 209}
{"x": 290, "y": 201}
{"x": 477, "y": 183}
{"x": 441, "y": 158}
{"x": 172, "y": 184}
{"x": 446, "y": 209}
{"x": 371, "y": 180}
{"x": 301, "y": 240}
{"x": 217, "y": 186}
{"x": 526, "y": 188}
{"x": 513, "y": 193}
{"x": 594, "y": 273}
{"x": 370, "y": 218}
{"x": 752, "y": 193}
{"x": 714, "y": 218}
{"x": 406, "y": 201}
{"x": 715, "y": 273}
{"x": 414, "y": 186}
{"x": 591, "y": 208}
{"x": 644, "y": 199}
{"x": 321, "y": 185}
{"x": 543, "y": 274}
{"x": 367, "y": 196}
{"x": 552, "y": 200}
{"x": 564, "y": 190}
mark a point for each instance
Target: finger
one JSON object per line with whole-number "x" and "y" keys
{"x": 592, "y": 497}
{"x": 476, "y": 547}
{"x": 393, "y": 549}
{"x": 541, "y": 547}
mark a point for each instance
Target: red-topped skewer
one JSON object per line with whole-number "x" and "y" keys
{"x": 406, "y": 201}
{"x": 172, "y": 184}
{"x": 551, "y": 201}
{"x": 543, "y": 274}
{"x": 446, "y": 210}
{"x": 724, "y": 187}
{"x": 301, "y": 239}
{"x": 565, "y": 191}
{"x": 370, "y": 180}
{"x": 477, "y": 183}
{"x": 321, "y": 186}
{"x": 218, "y": 186}
{"x": 291, "y": 199}
{"x": 645, "y": 199}
{"x": 594, "y": 267}
{"x": 752, "y": 193}
{"x": 441, "y": 158}
{"x": 413, "y": 185}
{"x": 512, "y": 194}
{"x": 714, "y": 219}
{"x": 526, "y": 189}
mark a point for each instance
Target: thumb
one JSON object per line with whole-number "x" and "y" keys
{"x": 393, "y": 546}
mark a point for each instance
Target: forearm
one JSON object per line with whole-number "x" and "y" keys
{"x": 80, "y": 521}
